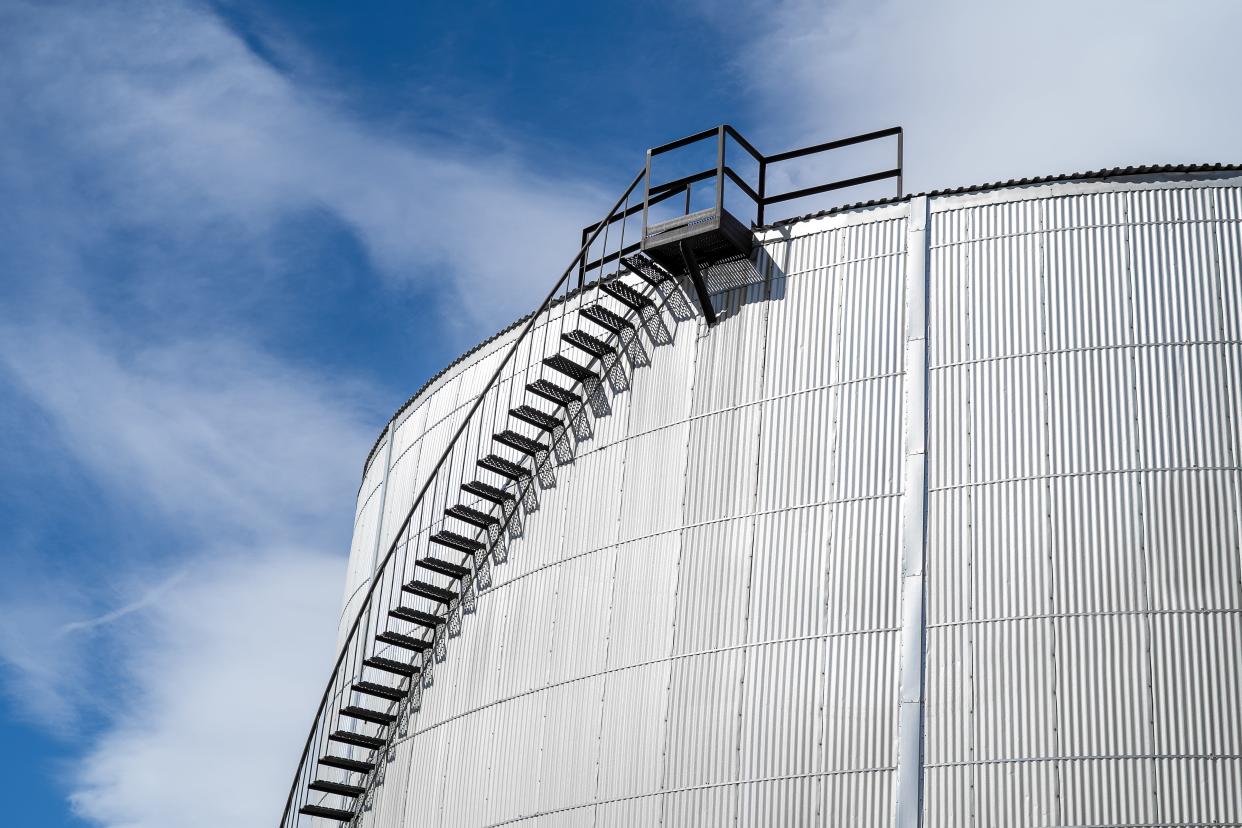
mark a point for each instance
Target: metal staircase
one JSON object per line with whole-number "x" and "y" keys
{"x": 438, "y": 564}
{"x": 448, "y": 565}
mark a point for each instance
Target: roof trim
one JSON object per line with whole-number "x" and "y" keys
{"x": 1091, "y": 175}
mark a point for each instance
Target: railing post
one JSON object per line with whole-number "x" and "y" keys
{"x": 646, "y": 197}
{"x": 720, "y": 165}
{"x": 763, "y": 188}
{"x": 901, "y": 164}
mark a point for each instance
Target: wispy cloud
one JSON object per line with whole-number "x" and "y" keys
{"x": 200, "y": 633}
{"x": 148, "y": 598}
{"x": 190, "y": 131}
{"x": 993, "y": 91}
{"x": 222, "y": 692}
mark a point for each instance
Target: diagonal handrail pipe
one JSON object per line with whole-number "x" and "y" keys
{"x": 392, "y": 549}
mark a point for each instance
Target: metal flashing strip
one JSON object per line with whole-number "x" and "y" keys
{"x": 908, "y": 778}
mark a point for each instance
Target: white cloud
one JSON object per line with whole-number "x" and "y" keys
{"x": 219, "y": 436}
{"x": 207, "y": 664}
{"x": 224, "y": 690}
{"x": 990, "y": 90}
{"x": 195, "y": 131}
{"x": 204, "y": 659}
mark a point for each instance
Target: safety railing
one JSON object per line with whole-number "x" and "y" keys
{"x": 465, "y": 437}
{"x": 657, "y": 192}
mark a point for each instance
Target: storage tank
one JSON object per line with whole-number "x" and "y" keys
{"x": 937, "y": 524}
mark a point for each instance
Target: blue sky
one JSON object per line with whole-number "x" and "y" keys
{"x": 235, "y": 236}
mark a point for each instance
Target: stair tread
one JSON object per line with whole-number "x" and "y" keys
{"x": 341, "y": 763}
{"x": 406, "y": 642}
{"x": 533, "y": 416}
{"x": 504, "y": 468}
{"x": 456, "y": 541}
{"x": 427, "y": 590}
{"x": 338, "y": 788}
{"x": 646, "y": 269}
{"x": 366, "y": 714}
{"x": 587, "y": 343}
{"x": 483, "y": 520}
{"x": 381, "y": 691}
{"x": 552, "y": 392}
{"x": 487, "y": 492}
{"x": 606, "y": 319}
{"x": 443, "y": 567}
{"x": 327, "y": 813}
{"x": 357, "y": 739}
{"x": 520, "y": 442}
{"x": 414, "y": 616}
{"x": 626, "y": 295}
{"x": 571, "y": 369}
{"x": 391, "y": 665}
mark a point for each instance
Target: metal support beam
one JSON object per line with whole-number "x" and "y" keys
{"x": 908, "y": 778}
{"x": 696, "y": 279}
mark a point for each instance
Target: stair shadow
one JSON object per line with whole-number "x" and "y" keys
{"x": 565, "y": 443}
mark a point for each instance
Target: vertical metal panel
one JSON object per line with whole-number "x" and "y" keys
{"x": 570, "y": 744}
{"x": 713, "y": 586}
{"x": 860, "y": 704}
{"x": 720, "y": 462}
{"x": 632, "y": 731}
{"x": 796, "y": 462}
{"x": 794, "y": 802}
{"x": 783, "y": 687}
{"x": 645, "y": 589}
{"x": 730, "y": 363}
{"x": 702, "y": 806}
{"x": 789, "y": 584}
{"x": 644, "y": 810}
{"x": 701, "y": 736}
{"x": 654, "y": 476}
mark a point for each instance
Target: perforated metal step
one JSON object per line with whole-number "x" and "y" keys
{"x": 413, "y": 616}
{"x": 357, "y": 739}
{"x": 455, "y": 541}
{"x": 430, "y": 591}
{"x": 338, "y": 788}
{"x": 487, "y": 492}
{"x": 443, "y": 567}
{"x": 606, "y": 319}
{"x": 351, "y": 765}
{"x": 405, "y": 642}
{"x": 472, "y": 516}
{"x": 379, "y": 691}
{"x": 564, "y": 365}
{"x": 327, "y": 813}
{"x": 533, "y": 416}
{"x": 586, "y": 343}
{"x": 389, "y": 665}
{"x": 365, "y": 714}
{"x": 552, "y": 392}
{"x": 520, "y": 442}
{"x": 504, "y": 468}
{"x": 626, "y": 295}
{"x": 647, "y": 270}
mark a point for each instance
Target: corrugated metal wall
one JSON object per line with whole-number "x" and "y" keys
{"x": 700, "y": 622}
{"x": 1084, "y": 610}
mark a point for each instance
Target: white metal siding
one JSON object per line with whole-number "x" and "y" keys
{"x": 701, "y": 623}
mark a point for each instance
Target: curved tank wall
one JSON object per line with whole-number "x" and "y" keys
{"x": 942, "y": 519}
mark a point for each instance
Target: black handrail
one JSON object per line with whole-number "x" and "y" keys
{"x": 759, "y": 195}
{"x": 392, "y": 549}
